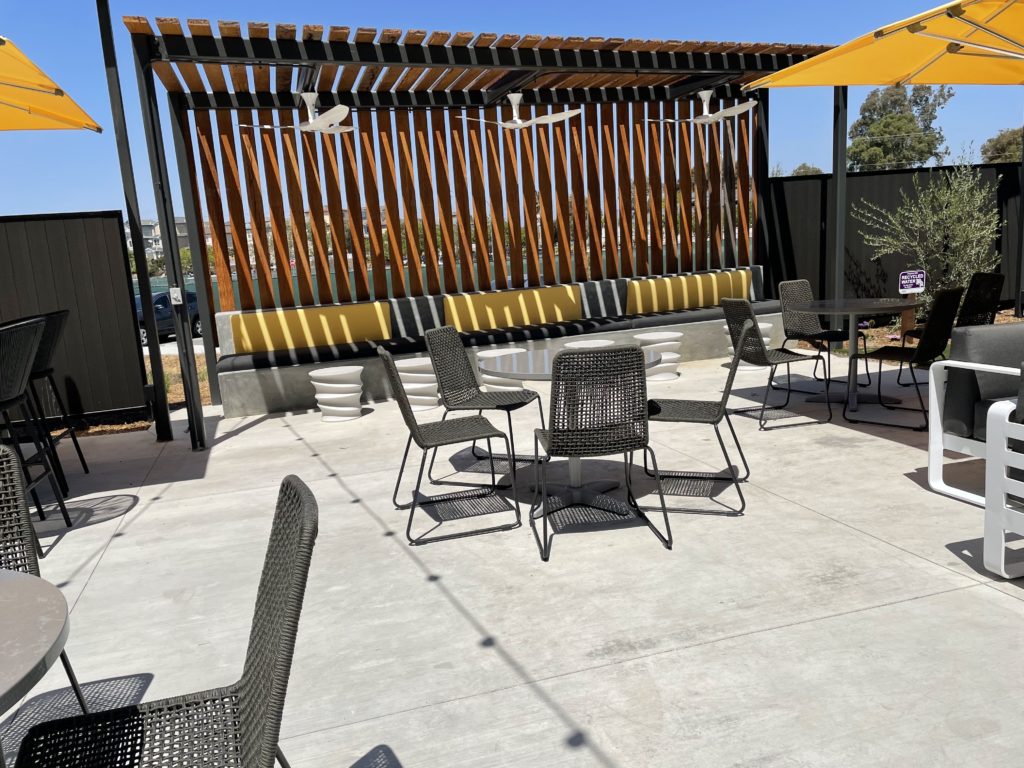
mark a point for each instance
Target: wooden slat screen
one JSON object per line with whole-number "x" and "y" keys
{"x": 428, "y": 202}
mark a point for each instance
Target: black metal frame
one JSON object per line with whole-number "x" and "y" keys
{"x": 920, "y": 399}
{"x": 35, "y": 426}
{"x": 420, "y": 500}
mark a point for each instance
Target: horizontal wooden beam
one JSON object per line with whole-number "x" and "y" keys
{"x": 267, "y": 51}
{"x": 436, "y": 99}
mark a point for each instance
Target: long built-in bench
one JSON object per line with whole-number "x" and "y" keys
{"x": 267, "y": 354}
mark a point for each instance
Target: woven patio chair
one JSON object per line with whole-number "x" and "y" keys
{"x": 237, "y": 725}
{"x": 753, "y": 351}
{"x": 598, "y": 408}
{"x": 19, "y": 341}
{"x": 458, "y": 383}
{"x": 428, "y": 438}
{"x": 42, "y": 372}
{"x": 712, "y": 413}
{"x": 932, "y": 346}
{"x": 800, "y": 326}
{"x": 979, "y": 307}
{"x": 19, "y": 546}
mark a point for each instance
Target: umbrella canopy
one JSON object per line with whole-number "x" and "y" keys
{"x": 31, "y": 101}
{"x": 973, "y": 42}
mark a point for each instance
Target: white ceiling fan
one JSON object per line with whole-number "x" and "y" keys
{"x": 518, "y": 124}
{"x": 328, "y": 122}
{"x": 705, "y": 118}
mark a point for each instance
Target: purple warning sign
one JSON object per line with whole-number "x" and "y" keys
{"x": 912, "y": 281}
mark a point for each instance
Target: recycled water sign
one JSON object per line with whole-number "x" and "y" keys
{"x": 912, "y": 281}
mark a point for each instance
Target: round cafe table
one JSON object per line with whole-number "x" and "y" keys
{"x": 853, "y": 309}
{"x": 535, "y": 365}
{"x": 33, "y": 629}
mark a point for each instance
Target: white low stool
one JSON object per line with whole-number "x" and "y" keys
{"x": 765, "y": 328}
{"x": 420, "y": 382}
{"x": 588, "y": 343}
{"x": 494, "y": 383}
{"x": 669, "y": 344}
{"x": 339, "y": 391}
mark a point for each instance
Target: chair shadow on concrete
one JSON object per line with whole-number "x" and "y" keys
{"x": 971, "y": 552}
{"x": 380, "y": 756}
{"x": 100, "y": 695}
{"x": 960, "y": 471}
{"x": 83, "y": 513}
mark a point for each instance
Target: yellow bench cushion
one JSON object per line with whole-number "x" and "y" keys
{"x": 268, "y": 330}
{"x": 502, "y": 309}
{"x": 679, "y": 292}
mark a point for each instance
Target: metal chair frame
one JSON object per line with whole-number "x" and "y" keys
{"x": 618, "y": 381}
{"x": 752, "y": 351}
{"x": 429, "y": 437}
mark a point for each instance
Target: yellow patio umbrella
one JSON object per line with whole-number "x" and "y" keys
{"x": 31, "y": 101}
{"x": 973, "y": 42}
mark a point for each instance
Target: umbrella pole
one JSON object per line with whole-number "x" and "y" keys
{"x": 1020, "y": 231}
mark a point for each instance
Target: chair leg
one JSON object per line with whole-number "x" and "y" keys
{"x": 401, "y": 471}
{"x": 67, "y": 422}
{"x": 433, "y": 454}
{"x": 74, "y": 682}
{"x": 920, "y": 399}
{"x": 867, "y": 368}
{"x": 515, "y": 489}
{"x": 32, "y": 420}
{"x": 472, "y": 448}
{"x": 415, "y": 496}
{"x": 732, "y": 470}
{"x": 828, "y": 400}
{"x": 47, "y": 439}
{"x": 540, "y": 502}
{"x": 764, "y": 403}
{"x": 666, "y": 538}
{"x": 281, "y": 759}
{"x": 16, "y": 445}
{"x": 881, "y": 401}
{"x": 736, "y": 440}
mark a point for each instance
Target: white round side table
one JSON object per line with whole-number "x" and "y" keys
{"x": 420, "y": 382}
{"x": 764, "y": 328}
{"x": 588, "y": 343}
{"x": 669, "y": 344}
{"x": 339, "y": 391}
{"x": 494, "y": 383}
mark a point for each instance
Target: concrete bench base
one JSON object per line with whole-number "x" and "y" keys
{"x": 282, "y": 390}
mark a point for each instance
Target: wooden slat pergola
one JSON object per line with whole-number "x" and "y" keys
{"x": 420, "y": 200}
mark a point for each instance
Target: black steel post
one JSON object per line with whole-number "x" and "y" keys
{"x": 761, "y": 190}
{"x": 172, "y": 258}
{"x": 838, "y": 192}
{"x": 158, "y": 399}
{"x": 1018, "y": 299}
{"x": 195, "y": 241}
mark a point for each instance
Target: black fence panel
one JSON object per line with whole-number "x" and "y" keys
{"x": 78, "y": 262}
{"x": 798, "y": 247}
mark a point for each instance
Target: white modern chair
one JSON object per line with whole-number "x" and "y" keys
{"x": 1004, "y": 495}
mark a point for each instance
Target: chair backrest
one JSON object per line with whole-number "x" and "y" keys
{"x": 17, "y": 547}
{"x": 981, "y": 300}
{"x": 457, "y": 378}
{"x": 398, "y": 390}
{"x": 797, "y": 324}
{"x": 750, "y": 346}
{"x": 19, "y": 342}
{"x": 939, "y": 326}
{"x": 275, "y": 622}
{"x": 749, "y": 327}
{"x": 598, "y": 402}
{"x": 52, "y": 332}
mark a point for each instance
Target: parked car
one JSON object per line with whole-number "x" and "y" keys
{"x": 165, "y": 316}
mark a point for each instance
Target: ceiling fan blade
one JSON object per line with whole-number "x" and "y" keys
{"x": 481, "y": 120}
{"x": 331, "y": 116}
{"x": 666, "y": 121}
{"x": 701, "y": 119}
{"x": 738, "y": 109}
{"x": 555, "y": 117}
{"x": 260, "y": 127}
{"x": 332, "y": 130}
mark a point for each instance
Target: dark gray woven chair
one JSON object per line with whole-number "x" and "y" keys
{"x": 979, "y": 307}
{"x": 598, "y": 408}
{"x": 237, "y": 725}
{"x": 932, "y": 346}
{"x": 712, "y": 413}
{"x": 42, "y": 373}
{"x": 18, "y": 543}
{"x": 800, "y": 326}
{"x": 458, "y": 383}
{"x": 431, "y": 436}
{"x": 753, "y": 351}
{"x": 19, "y": 342}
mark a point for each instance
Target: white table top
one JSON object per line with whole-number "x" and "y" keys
{"x": 33, "y": 629}
{"x": 535, "y": 364}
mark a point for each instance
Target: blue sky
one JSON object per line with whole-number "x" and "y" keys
{"x": 68, "y": 171}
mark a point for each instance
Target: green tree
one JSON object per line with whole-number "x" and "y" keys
{"x": 896, "y": 128}
{"x": 186, "y": 260}
{"x": 1004, "y": 147}
{"x": 947, "y": 227}
{"x": 806, "y": 169}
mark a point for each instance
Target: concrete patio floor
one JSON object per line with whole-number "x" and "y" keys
{"x": 843, "y": 620}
